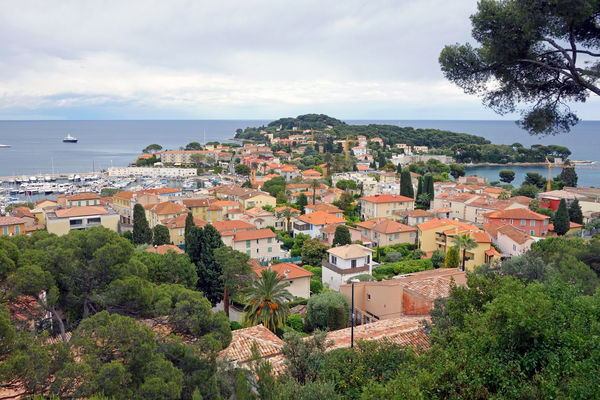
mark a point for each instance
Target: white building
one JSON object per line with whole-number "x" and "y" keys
{"x": 297, "y": 277}
{"x": 344, "y": 263}
{"x": 152, "y": 172}
{"x": 312, "y": 223}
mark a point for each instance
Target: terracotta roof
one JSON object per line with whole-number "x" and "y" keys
{"x": 163, "y": 249}
{"x": 83, "y": 196}
{"x": 167, "y": 208}
{"x": 415, "y": 213}
{"x": 22, "y": 212}
{"x": 196, "y": 202}
{"x": 283, "y": 208}
{"x": 255, "y": 212}
{"x": 516, "y": 213}
{"x": 386, "y": 198}
{"x": 242, "y": 341}
{"x": 37, "y": 203}
{"x": 297, "y": 186}
{"x": 386, "y": 226}
{"x": 286, "y": 271}
{"x": 253, "y": 235}
{"x": 159, "y": 191}
{"x": 179, "y": 222}
{"x": 80, "y": 211}
{"x": 328, "y": 208}
{"x": 320, "y": 218}
{"x": 234, "y": 225}
{"x": 124, "y": 195}
{"x": 492, "y": 252}
{"x": 350, "y": 251}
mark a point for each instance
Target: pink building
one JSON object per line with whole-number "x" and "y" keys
{"x": 526, "y": 220}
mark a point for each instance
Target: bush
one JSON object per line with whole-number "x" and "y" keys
{"x": 402, "y": 267}
{"x": 320, "y": 306}
{"x": 316, "y": 286}
{"x": 297, "y": 302}
{"x": 234, "y": 325}
{"x": 295, "y": 322}
{"x": 394, "y": 256}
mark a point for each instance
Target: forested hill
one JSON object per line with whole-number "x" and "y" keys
{"x": 391, "y": 134}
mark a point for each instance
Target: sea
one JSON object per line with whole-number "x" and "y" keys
{"x": 37, "y": 147}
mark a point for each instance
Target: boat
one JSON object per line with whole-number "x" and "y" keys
{"x": 4, "y": 146}
{"x": 69, "y": 139}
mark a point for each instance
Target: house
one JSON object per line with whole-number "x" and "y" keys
{"x": 328, "y": 208}
{"x": 164, "y": 248}
{"x": 297, "y": 277}
{"x": 552, "y": 198}
{"x": 261, "y": 244}
{"x": 281, "y": 222}
{"x": 384, "y": 205}
{"x": 472, "y": 180}
{"x": 344, "y": 263}
{"x": 198, "y": 206}
{"x": 63, "y": 220}
{"x": 258, "y": 199}
{"x": 311, "y": 224}
{"x": 289, "y": 172}
{"x": 386, "y": 232}
{"x": 233, "y": 226}
{"x": 155, "y": 213}
{"x": 414, "y": 217}
{"x": 359, "y": 151}
{"x": 528, "y": 221}
{"x": 176, "y": 226}
{"x": 438, "y": 234}
{"x": 10, "y": 226}
{"x": 328, "y": 234}
{"x": 218, "y": 210}
{"x": 411, "y": 294}
{"x": 512, "y": 241}
{"x": 123, "y": 203}
{"x": 78, "y": 200}
{"x": 311, "y": 174}
{"x": 259, "y": 217}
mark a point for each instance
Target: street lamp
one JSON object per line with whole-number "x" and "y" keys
{"x": 352, "y": 281}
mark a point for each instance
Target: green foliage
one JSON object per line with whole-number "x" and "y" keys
{"x": 438, "y": 259}
{"x": 568, "y": 175}
{"x": 281, "y": 197}
{"x": 561, "y": 219}
{"x": 402, "y": 267}
{"x": 534, "y": 179}
{"x": 152, "y": 148}
{"x": 320, "y": 306}
{"x": 295, "y": 322}
{"x": 266, "y": 298}
{"x": 452, "y": 259}
{"x": 142, "y": 234}
{"x": 234, "y": 325}
{"x": 507, "y": 175}
{"x": 160, "y": 235}
{"x": 575, "y": 214}
{"x": 316, "y": 286}
{"x": 193, "y": 146}
{"x": 457, "y": 170}
{"x": 342, "y": 236}
{"x": 346, "y": 184}
{"x": 302, "y": 201}
{"x": 242, "y": 169}
{"x": 313, "y": 252}
{"x": 274, "y": 185}
{"x": 406, "y": 187}
{"x": 200, "y": 246}
{"x": 167, "y": 268}
{"x": 526, "y": 190}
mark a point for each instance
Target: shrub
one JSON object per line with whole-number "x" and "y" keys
{"x": 295, "y": 322}
{"x": 316, "y": 286}
{"x": 319, "y": 307}
{"x": 234, "y": 325}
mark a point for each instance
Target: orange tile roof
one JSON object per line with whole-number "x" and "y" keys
{"x": 516, "y": 213}
{"x": 492, "y": 252}
{"x": 386, "y": 198}
{"x": 283, "y": 208}
{"x": 159, "y": 191}
{"x": 363, "y": 168}
{"x": 124, "y": 195}
{"x": 80, "y": 211}
{"x": 386, "y": 226}
{"x": 37, "y": 203}
{"x": 167, "y": 208}
{"x": 311, "y": 172}
{"x": 234, "y": 225}
{"x": 320, "y": 218}
{"x": 22, "y": 212}
{"x": 257, "y": 234}
{"x": 83, "y": 196}
{"x": 179, "y": 222}
{"x": 286, "y": 271}
{"x": 5, "y": 221}
{"x": 163, "y": 249}
{"x": 196, "y": 202}
{"x": 242, "y": 341}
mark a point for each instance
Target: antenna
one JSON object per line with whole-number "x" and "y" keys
{"x": 204, "y": 136}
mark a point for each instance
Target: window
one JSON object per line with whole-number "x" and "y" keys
{"x": 368, "y": 259}
{"x": 503, "y": 219}
{"x": 181, "y": 232}
{"x": 247, "y": 244}
{"x": 208, "y": 213}
{"x": 17, "y": 229}
{"x": 257, "y": 250}
{"x": 368, "y": 296}
{"x": 412, "y": 234}
{"x": 248, "y": 252}
{"x": 218, "y": 213}
{"x": 396, "y": 236}
{"x": 387, "y": 212}
{"x": 546, "y": 222}
{"x": 5, "y": 230}
{"x": 353, "y": 263}
{"x": 523, "y": 222}
{"x": 270, "y": 240}
{"x": 270, "y": 249}
{"x": 511, "y": 221}
{"x": 333, "y": 259}
{"x": 390, "y": 237}
{"x": 514, "y": 247}
{"x": 532, "y": 223}
{"x": 531, "y": 232}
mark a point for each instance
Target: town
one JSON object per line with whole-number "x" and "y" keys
{"x": 362, "y": 236}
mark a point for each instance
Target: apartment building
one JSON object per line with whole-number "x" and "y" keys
{"x": 344, "y": 263}
{"x": 384, "y": 205}
{"x": 312, "y": 223}
{"x": 10, "y": 226}
{"x": 528, "y": 221}
{"x": 155, "y": 213}
{"x": 176, "y": 226}
{"x": 261, "y": 244}
{"x": 386, "y": 232}
{"x": 63, "y": 220}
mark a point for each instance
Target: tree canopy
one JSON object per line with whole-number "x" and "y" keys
{"x": 537, "y": 52}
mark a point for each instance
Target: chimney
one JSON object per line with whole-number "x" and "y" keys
{"x": 156, "y": 249}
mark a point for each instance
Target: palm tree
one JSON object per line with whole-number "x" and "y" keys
{"x": 287, "y": 214}
{"x": 315, "y": 185}
{"x": 464, "y": 242}
{"x": 267, "y": 301}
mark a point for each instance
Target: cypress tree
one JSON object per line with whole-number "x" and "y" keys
{"x": 568, "y": 175}
{"x": 142, "y": 234}
{"x": 575, "y": 214}
{"x": 452, "y": 259}
{"x": 189, "y": 223}
{"x": 430, "y": 188}
{"x": 420, "y": 186}
{"x": 160, "y": 235}
{"x": 406, "y": 188}
{"x": 209, "y": 271}
{"x": 561, "y": 219}
{"x": 192, "y": 243}
{"x": 342, "y": 236}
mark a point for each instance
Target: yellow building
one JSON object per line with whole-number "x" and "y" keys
{"x": 386, "y": 232}
{"x": 82, "y": 199}
{"x": 438, "y": 234}
{"x": 211, "y": 210}
{"x": 155, "y": 213}
{"x": 176, "y": 227}
{"x": 384, "y": 205}
{"x": 257, "y": 199}
{"x": 122, "y": 204}
{"x": 63, "y": 220}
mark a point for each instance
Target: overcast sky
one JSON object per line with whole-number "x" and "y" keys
{"x": 244, "y": 59}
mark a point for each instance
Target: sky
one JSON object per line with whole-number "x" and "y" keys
{"x": 244, "y": 59}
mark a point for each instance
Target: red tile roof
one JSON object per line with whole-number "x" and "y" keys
{"x": 242, "y": 341}
{"x": 235, "y": 225}
{"x": 166, "y": 208}
{"x": 80, "y": 211}
{"x": 286, "y": 271}
{"x": 5, "y": 221}
{"x": 163, "y": 249}
{"x": 384, "y": 225}
{"x": 83, "y": 196}
{"x": 240, "y": 236}
{"x": 386, "y": 198}
{"x": 516, "y": 213}
{"x": 179, "y": 222}
{"x": 320, "y": 218}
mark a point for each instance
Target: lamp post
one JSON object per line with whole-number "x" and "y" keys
{"x": 352, "y": 281}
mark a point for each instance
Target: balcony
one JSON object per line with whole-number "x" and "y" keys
{"x": 344, "y": 271}
{"x": 301, "y": 226}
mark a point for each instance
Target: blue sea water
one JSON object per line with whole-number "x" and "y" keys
{"x": 37, "y": 145}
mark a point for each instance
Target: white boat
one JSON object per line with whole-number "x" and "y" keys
{"x": 4, "y": 146}
{"x": 69, "y": 139}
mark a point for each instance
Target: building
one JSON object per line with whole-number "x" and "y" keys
{"x": 63, "y": 220}
{"x": 218, "y": 210}
{"x": 528, "y": 221}
{"x": 552, "y": 198}
{"x": 155, "y": 213}
{"x": 511, "y": 241}
{"x": 198, "y": 206}
{"x": 328, "y": 234}
{"x": 233, "y": 226}
{"x": 261, "y": 244}
{"x": 438, "y": 234}
{"x": 324, "y": 207}
{"x": 311, "y": 174}
{"x": 78, "y": 200}
{"x": 414, "y": 217}
{"x": 384, "y": 205}
{"x": 297, "y": 277}
{"x": 281, "y": 223}
{"x": 289, "y": 172}
{"x": 176, "y": 226}
{"x": 10, "y": 226}
{"x": 344, "y": 263}
{"x": 257, "y": 199}
{"x": 311, "y": 224}
{"x": 386, "y": 232}
{"x": 258, "y": 217}
{"x": 152, "y": 172}
{"x": 123, "y": 203}
{"x": 412, "y": 294}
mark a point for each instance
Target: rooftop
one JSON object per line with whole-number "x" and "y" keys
{"x": 83, "y": 196}
{"x": 179, "y": 222}
{"x": 349, "y": 251}
{"x": 234, "y": 225}
{"x": 163, "y": 249}
{"x": 254, "y": 235}
{"x": 285, "y": 271}
{"x": 384, "y": 225}
{"x": 516, "y": 213}
{"x": 386, "y": 198}
{"x": 320, "y": 218}
{"x": 80, "y": 211}
{"x": 5, "y": 221}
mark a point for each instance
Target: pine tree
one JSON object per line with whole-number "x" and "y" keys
{"x": 575, "y": 214}
{"x": 342, "y": 236}
{"x": 568, "y": 175}
{"x": 142, "y": 234}
{"x": 160, "y": 235}
{"x": 209, "y": 272}
{"x": 561, "y": 219}
{"x": 406, "y": 188}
